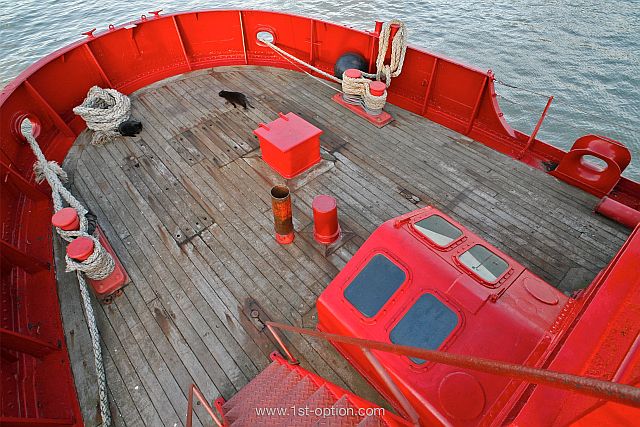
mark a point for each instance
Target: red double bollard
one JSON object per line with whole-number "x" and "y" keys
{"x": 81, "y": 248}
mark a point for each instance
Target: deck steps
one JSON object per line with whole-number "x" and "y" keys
{"x": 285, "y": 394}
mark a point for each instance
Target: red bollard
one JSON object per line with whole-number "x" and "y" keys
{"x": 326, "y": 229}
{"x": 282, "y": 216}
{"x": 66, "y": 219}
{"x": 82, "y": 247}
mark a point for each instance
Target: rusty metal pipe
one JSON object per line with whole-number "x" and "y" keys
{"x": 615, "y": 392}
{"x": 193, "y": 390}
{"x": 282, "y": 217}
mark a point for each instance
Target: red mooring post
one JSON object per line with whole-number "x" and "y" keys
{"x": 66, "y": 219}
{"x": 81, "y": 248}
{"x": 282, "y": 216}
{"x": 326, "y": 228}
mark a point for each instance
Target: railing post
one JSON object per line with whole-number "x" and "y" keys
{"x": 384, "y": 375}
{"x": 292, "y": 359}
{"x": 537, "y": 128}
{"x": 193, "y": 390}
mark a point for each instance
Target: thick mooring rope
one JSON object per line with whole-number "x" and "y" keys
{"x": 398, "y": 52}
{"x": 94, "y": 268}
{"x": 104, "y": 110}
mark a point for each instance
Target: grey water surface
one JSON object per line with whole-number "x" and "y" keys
{"x": 586, "y": 53}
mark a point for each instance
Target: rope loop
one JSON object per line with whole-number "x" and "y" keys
{"x": 372, "y": 102}
{"x": 98, "y": 266}
{"x": 103, "y": 110}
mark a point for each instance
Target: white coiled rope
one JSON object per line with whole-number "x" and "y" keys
{"x": 104, "y": 110}
{"x": 54, "y": 175}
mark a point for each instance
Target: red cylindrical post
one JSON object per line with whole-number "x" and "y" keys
{"x": 354, "y": 73}
{"x": 282, "y": 215}
{"x": 618, "y": 212}
{"x": 66, "y": 219}
{"x": 80, "y": 248}
{"x": 377, "y": 88}
{"x": 326, "y": 228}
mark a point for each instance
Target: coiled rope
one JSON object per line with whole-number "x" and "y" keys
{"x": 54, "y": 175}
{"x": 104, "y": 110}
{"x": 398, "y": 52}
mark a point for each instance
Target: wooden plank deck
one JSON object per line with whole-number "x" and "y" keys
{"x": 186, "y": 207}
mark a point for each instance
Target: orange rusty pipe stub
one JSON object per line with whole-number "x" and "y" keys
{"x": 282, "y": 217}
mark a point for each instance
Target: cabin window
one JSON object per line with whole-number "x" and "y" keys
{"x": 426, "y": 325}
{"x": 484, "y": 263}
{"x": 438, "y": 230}
{"x": 374, "y": 285}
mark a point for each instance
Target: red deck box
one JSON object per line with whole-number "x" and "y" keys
{"x": 289, "y": 144}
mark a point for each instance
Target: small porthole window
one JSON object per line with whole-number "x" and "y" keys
{"x": 265, "y": 36}
{"x": 484, "y": 263}
{"x": 370, "y": 290}
{"x": 427, "y": 324}
{"x": 438, "y": 230}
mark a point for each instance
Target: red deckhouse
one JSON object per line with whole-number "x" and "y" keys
{"x": 381, "y": 188}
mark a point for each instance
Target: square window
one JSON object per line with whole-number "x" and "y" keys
{"x": 374, "y": 285}
{"x": 427, "y": 325}
{"x": 484, "y": 263}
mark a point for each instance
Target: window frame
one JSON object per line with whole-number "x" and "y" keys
{"x": 475, "y": 275}
{"x": 448, "y": 341}
{"x": 430, "y": 242}
{"x": 394, "y": 296}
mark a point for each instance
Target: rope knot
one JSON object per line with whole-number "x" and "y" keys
{"x": 42, "y": 168}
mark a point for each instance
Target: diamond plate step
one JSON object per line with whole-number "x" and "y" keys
{"x": 344, "y": 415}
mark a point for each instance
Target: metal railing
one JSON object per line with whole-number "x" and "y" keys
{"x": 194, "y": 391}
{"x": 607, "y": 390}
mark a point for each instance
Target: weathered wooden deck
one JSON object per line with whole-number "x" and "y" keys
{"x": 186, "y": 207}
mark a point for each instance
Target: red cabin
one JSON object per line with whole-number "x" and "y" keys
{"x": 424, "y": 280}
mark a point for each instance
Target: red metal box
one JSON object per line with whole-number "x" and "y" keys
{"x": 289, "y": 144}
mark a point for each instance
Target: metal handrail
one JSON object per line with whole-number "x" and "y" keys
{"x": 193, "y": 390}
{"x": 607, "y": 390}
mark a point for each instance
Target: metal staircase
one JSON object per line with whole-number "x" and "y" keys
{"x": 285, "y": 394}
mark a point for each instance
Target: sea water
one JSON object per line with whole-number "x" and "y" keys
{"x": 586, "y": 53}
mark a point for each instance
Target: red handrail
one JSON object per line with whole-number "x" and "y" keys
{"x": 607, "y": 390}
{"x": 193, "y": 390}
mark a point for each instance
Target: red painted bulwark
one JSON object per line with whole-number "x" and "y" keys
{"x": 131, "y": 56}
{"x": 518, "y": 307}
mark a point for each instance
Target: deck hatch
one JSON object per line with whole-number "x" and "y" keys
{"x": 374, "y": 285}
{"x": 438, "y": 230}
{"x": 484, "y": 263}
{"x": 427, "y": 325}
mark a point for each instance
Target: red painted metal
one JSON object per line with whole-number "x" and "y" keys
{"x": 618, "y": 212}
{"x": 575, "y": 169}
{"x": 532, "y": 137}
{"x": 194, "y": 391}
{"x": 130, "y": 56}
{"x": 377, "y": 88}
{"x": 523, "y": 305}
{"x": 66, "y": 219}
{"x": 353, "y": 73}
{"x": 289, "y": 144}
{"x": 600, "y": 339}
{"x": 326, "y": 228}
{"x": 582, "y": 385}
{"x": 380, "y": 120}
{"x": 81, "y": 248}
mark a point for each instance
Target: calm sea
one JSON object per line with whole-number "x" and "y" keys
{"x": 584, "y": 52}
